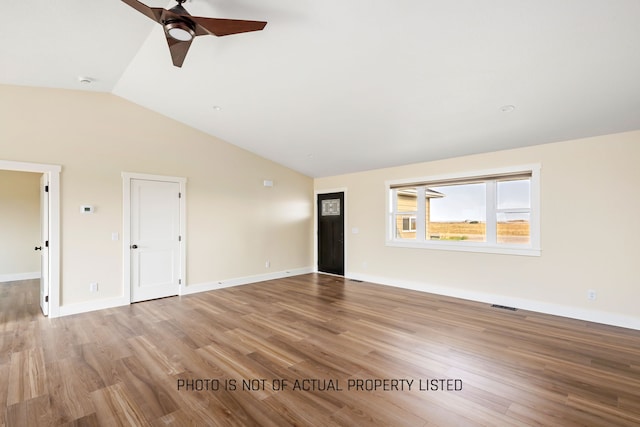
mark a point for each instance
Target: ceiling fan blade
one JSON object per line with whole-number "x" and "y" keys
{"x": 178, "y": 50}
{"x": 152, "y": 12}
{"x": 224, "y": 27}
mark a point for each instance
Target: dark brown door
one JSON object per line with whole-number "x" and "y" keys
{"x": 331, "y": 233}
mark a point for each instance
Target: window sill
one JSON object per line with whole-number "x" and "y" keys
{"x": 467, "y": 247}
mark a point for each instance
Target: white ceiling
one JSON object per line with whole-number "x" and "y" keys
{"x": 331, "y": 87}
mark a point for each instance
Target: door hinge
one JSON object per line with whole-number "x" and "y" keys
{"x": 179, "y": 238}
{"x": 46, "y": 188}
{"x": 46, "y": 298}
{"x": 179, "y": 281}
{"x": 46, "y": 244}
{"x": 179, "y": 195}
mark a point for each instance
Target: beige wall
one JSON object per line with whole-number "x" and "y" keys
{"x": 234, "y": 224}
{"x": 585, "y": 245}
{"x": 19, "y": 224}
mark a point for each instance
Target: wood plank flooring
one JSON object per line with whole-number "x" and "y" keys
{"x": 311, "y": 350}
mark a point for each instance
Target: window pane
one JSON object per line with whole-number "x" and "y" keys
{"x": 331, "y": 207}
{"x": 456, "y": 212}
{"x": 405, "y": 226}
{"x": 513, "y": 228}
{"x": 514, "y": 194}
{"x": 405, "y": 222}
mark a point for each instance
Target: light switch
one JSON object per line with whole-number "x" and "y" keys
{"x": 115, "y": 236}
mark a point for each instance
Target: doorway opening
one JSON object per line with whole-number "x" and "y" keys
{"x": 49, "y": 245}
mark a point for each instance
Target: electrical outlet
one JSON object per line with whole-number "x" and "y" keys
{"x": 93, "y": 287}
{"x": 591, "y": 295}
{"x": 267, "y": 264}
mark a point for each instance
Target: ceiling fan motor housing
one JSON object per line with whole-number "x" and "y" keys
{"x": 177, "y": 25}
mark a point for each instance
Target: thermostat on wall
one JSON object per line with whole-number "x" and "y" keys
{"x": 86, "y": 209}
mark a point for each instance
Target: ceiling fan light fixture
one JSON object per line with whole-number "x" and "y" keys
{"x": 180, "y": 27}
{"x": 179, "y": 30}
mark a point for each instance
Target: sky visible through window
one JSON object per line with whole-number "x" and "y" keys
{"x": 467, "y": 202}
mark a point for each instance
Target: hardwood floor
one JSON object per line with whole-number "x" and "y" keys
{"x": 311, "y": 350}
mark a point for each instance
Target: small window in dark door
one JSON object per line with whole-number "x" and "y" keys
{"x": 331, "y": 233}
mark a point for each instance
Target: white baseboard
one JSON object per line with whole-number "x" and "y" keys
{"x": 84, "y": 307}
{"x": 220, "y": 284}
{"x": 523, "y": 304}
{"x": 596, "y": 316}
{"x": 19, "y": 276}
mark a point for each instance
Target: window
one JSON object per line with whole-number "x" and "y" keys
{"x": 488, "y": 211}
{"x": 409, "y": 223}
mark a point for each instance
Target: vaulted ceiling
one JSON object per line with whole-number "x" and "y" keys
{"x": 331, "y": 87}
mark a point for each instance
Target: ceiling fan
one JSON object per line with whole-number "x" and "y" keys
{"x": 180, "y": 27}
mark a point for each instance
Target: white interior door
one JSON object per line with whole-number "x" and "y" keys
{"x": 155, "y": 239}
{"x": 44, "y": 244}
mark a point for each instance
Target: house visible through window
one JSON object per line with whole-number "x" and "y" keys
{"x": 489, "y": 211}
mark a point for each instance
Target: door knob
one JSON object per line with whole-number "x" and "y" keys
{"x": 37, "y": 248}
{"x": 134, "y": 246}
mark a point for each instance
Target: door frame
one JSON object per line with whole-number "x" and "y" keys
{"x": 53, "y": 176}
{"x": 315, "y": 226}
{"x": 44, "y": 243}
{"x": 126, "y": 227}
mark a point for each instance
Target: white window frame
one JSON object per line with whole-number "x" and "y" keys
{"x": 491, "y": 245}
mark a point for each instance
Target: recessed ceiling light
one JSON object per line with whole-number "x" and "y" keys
{"x": 85, "y": 80}
{"x": 507, "y": 108}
